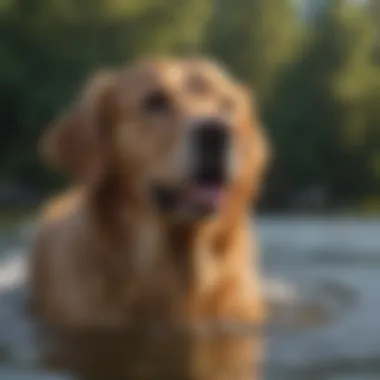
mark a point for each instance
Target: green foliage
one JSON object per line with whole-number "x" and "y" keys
{"x": 324, "y": 115}
{"x": 257, "y": 38}
{"x": 317, "y": 80}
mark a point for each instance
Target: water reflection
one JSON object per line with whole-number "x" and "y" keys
{"x": 323, "y": 279}
{"x": 158, "y": 355}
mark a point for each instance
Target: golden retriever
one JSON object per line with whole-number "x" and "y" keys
{"x": 167, "y": 155}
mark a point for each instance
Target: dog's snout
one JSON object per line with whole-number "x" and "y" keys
{"x": 211, "y": 141}
{"x": 211, "y": 135}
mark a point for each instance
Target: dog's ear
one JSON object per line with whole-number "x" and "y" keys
{"x": 258, "y": 148}
{"x": 75, "y": 143}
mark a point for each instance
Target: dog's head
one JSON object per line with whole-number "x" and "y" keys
{"x": 181, "y": 134}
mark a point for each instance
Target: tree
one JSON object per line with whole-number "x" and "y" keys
{"x": 324, "y": 103}
{"x": 257, "y": 38}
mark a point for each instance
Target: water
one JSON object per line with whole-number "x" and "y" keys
{"x": 331, "y": 259}
{"x": 323, "y": 277}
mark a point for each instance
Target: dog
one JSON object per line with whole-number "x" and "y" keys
{"x": 166, "y": 156}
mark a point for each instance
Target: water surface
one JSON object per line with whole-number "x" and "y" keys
{"x": 322, "y": 274}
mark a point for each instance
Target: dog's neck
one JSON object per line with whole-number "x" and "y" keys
{"x": 194, "y": 253}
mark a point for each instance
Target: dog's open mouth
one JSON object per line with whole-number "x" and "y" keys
{"x": 195, "y": 199}
{"x": 205, "y": 196}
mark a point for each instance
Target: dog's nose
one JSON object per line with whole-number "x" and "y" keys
{"x": 211, "y": 142}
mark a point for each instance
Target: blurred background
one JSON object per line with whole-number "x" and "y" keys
{"x": 314, "y": 65}
{"x": 315, "y": 68}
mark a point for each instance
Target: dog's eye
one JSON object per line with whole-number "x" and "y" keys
{"x": 156, "y": 102}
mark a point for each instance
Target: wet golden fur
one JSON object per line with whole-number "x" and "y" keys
{"x": 103, "y": 256}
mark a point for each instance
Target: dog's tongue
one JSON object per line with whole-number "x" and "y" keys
{"x": 205, "y": 195}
